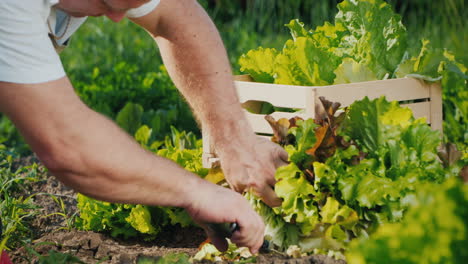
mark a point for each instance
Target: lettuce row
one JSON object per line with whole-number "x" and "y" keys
{"x": 128, "y": 220}
{"x": 326, "y": 204}
{"x": 434, "y": 230}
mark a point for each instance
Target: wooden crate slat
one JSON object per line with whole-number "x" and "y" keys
{"x": 436, "y": 107}
{"x": 278, "y": 95}
{"x": 394, "y": 90}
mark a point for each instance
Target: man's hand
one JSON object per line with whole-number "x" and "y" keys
{"x": 215, "y": 204}
{"x": 252, "y": 167}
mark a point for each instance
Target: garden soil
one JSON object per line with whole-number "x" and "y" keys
{"x": 53, "y": 232}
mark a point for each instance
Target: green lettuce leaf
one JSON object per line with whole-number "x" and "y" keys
{"x": 371, "y": 123}
{"x": 440, "y": 65}
{"x": 129, "y": 118}
{"x": 304, "y": 62}
{"x": 434, "y": 230}
{"x": 259, "y": 64}
{"x": 297, "y": 29}
{"x": 295, "y": 190}
{"x": 140, "y": 219}
{"x": 351, "y": 71}
{"x": 305, "y": 139}
{"x": 377, "y": 37}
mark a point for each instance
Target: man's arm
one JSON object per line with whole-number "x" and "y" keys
{"x": 196, "y": 59}
{"x": 91, "y": 154}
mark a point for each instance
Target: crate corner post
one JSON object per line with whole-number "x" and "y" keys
{"x": 436, "y": 108}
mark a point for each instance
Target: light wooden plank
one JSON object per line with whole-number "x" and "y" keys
{"x": 278, "y": 95}
{"x": 393, "y": 89}
{"x": 297, "y": 96}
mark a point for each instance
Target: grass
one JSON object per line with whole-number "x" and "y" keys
{"x": 17, "y": 211}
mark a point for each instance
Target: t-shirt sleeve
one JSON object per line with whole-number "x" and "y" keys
{"x": 142, "y": 10}
{"x": 27, "y": 54}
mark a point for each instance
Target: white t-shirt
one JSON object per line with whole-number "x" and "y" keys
{"x": 27, "y": 54}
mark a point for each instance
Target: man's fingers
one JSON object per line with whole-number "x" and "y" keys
{"x": 269, "y": 196}
{"x": 283, "y": 157}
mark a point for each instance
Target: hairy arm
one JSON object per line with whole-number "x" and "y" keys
{"x": 88, "y": 151}
{"x": 198, "y": 64}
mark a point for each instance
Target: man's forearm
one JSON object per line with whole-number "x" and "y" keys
{"x": 196, "y": 59}
{"x": 89, "y": 152}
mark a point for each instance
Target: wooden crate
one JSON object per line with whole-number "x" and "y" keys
{"x": 424, "y": 99}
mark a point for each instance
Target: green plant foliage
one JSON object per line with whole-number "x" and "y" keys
{"x": 129, "y": 118}
{"x": 350, "y": 173}
{"x": 367, "y": 42}
{"x": 17, "y": 211}
{"x": 259, "y": 64}
{"x": 174, "y": 258}
{"x": 54, "y": 257}
{"x": 376, "y": 38}
{"x": 440, "y": 65}
{"x": 434, "y": 230}
{"x": 125, "y": 220}
{"x": 368, "y": 32}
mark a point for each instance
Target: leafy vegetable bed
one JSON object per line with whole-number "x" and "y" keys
{"x": 351, "y": 174}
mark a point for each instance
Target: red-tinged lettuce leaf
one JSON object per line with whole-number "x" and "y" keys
{"x": 327, "y": 139}
{"x": 5, "y": 259}
{"x": 377, "y": 37}
{"x": 281, "y": 128}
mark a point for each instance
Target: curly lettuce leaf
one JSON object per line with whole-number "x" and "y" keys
{"x": 277, "y": 231}
{"x": 440, "y": 65}
{"x": 259, "y": 64}
{"x": 296, "y": 191}
{"x": 351, "y": 71}
{"x": 304, "y": 134}
{"x": 377, "y": 37}
{"x": 297, "y": 29}
{"x": 140, "y": 219}
{"x": 103, "y": 216}
{"x": 304, "y": 62}
{"x": 434, "y": 230}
